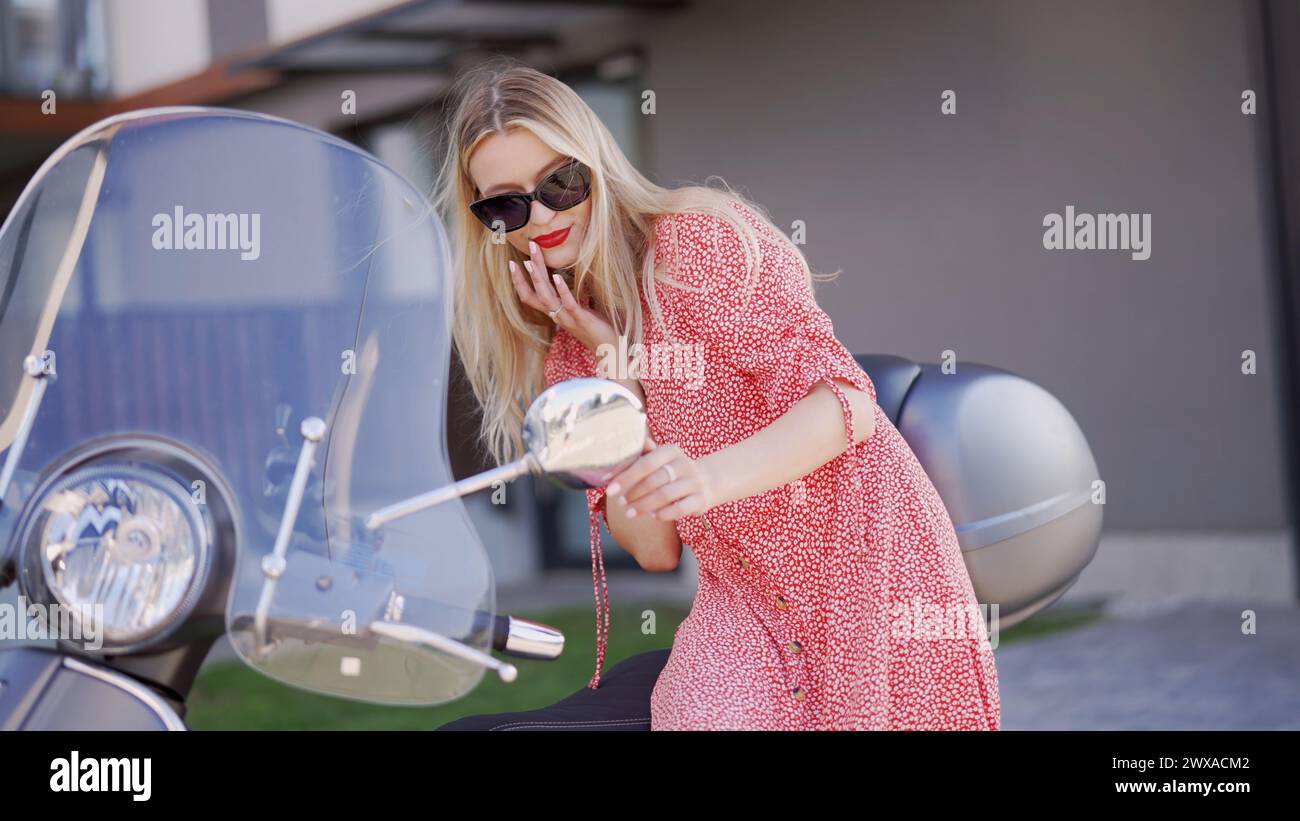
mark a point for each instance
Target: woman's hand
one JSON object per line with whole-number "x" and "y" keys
{"x": 646, "y": 487}
{"x": 545, "y": 292}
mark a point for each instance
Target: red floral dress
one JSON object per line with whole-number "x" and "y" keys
{"x": 811, "y": 611}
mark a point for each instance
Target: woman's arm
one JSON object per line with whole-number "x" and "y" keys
{"x": 654, "y": 543}
{"x": 799, "y": 442}
{"x": 808, "y": 436}
{"x": 771, "y": 331}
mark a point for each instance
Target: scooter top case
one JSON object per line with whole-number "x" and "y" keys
{"x": 1013, "y": 468}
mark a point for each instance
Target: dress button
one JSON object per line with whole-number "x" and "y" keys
{"x": 798, "y": 693}
{"x": 795, "y": 647}
{"x": 781, "y": 603}
{"x": 744, "y": 562}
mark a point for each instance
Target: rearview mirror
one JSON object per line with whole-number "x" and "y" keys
{"x": 580, "y": 432}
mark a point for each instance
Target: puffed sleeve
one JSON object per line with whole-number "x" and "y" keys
{"x": 568, "y": 358}
{"x": 769, "y": 328}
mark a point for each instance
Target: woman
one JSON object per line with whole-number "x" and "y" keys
{"x": 817, "y": 532}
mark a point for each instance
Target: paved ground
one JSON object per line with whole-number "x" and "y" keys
{"x": 1176, "y": 664}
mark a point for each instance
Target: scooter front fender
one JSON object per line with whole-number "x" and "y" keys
{"x": 43, "y": 689}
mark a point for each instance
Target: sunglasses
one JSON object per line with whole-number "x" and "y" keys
{"x": 562, "y": 189}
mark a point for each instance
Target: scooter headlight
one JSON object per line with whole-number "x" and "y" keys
{"x": 126, "y": 537}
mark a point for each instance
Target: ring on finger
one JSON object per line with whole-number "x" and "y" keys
{"x": 555, "y": 313}
{"x": 672, "y": 474}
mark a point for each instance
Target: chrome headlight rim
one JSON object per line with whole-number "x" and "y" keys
{"x": 149, "y": 466}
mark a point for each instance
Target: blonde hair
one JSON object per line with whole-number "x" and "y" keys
{"x": 502, "y": 343}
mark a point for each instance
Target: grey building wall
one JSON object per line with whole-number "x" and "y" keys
{"x": 829, "y": 112}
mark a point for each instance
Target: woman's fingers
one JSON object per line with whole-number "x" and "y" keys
{"x": 645, "y": 488}
{"x": 526, "y": 294}
{"x": 545, "y": 293}
{"x": 692, "y": 505}
{"x": 652, "y": 503}
{"x": 588, "y": 325}
{"x": 647, "y": 473}
{"x": 571, "y": 306}
{"x": 636, "y": 496}
{"x": 638, "y": 470}
{"x": 535, "y": 290}
{"x": 536, "y": 266}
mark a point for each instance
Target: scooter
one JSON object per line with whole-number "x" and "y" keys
{"x": 224, "y": 349}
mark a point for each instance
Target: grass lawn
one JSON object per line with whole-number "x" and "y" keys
{"x": 230, "y": 696}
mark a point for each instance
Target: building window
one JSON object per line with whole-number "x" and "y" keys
{"x": 56, "y": 45}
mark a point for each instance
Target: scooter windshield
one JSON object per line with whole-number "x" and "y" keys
{"x": 276, "y": 302}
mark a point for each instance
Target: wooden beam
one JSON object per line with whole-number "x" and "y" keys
{"x": 23, "y": 116}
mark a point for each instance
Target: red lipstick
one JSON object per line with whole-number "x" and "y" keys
{"x": 553, "y": 239}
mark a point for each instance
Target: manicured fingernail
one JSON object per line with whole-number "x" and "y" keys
{"x": 532, "y": 246}
{"x": 631, "y": 512}
{"x": 613, "y": 488}
{"x": 512, "y": 266}
{"x": 529, "y": 265}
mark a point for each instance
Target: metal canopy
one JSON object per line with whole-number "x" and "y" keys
{"x": 428, "y": 35}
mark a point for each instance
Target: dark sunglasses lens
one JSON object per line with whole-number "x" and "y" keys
{"x": 566, "y": 187}
{"x": 511, "y": 212}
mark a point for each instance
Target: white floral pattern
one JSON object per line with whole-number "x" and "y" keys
{"x": 795, "y": 624}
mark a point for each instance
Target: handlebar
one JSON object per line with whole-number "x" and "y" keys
{"x": 526, "y": 639}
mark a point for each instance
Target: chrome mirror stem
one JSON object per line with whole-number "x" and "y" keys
{"x": 579, "y": 431}
{"x": 273, "y": 564}
{"x": 466, "y": 486}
